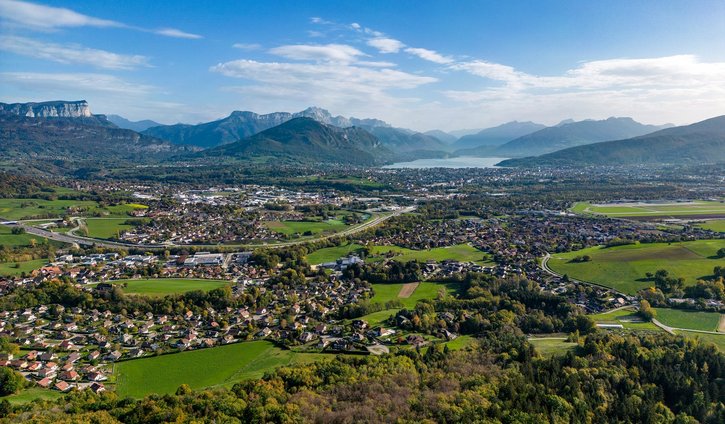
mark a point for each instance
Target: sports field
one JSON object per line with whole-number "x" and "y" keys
{"x": 331, "y": 254}
{"x": 624, "y": 267}
{"x": 162, "y": 286}
{"x": 646, "y": 209}
{"x": 15, "y": 209}
{"x": 218, "y": 366}
{"x": 693, "y": 320}
{"x": 460, "y": 252}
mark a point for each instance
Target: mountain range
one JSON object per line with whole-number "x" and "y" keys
{"x": 497, "y": 136}
{"x": 306, "y": 140}
{"x": 701, "y": 142}
{"x": 68, "y": 131}
{"x": 137, "y": 126}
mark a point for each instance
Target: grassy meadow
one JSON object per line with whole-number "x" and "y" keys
{"x": 651, "y": 209}
{"x": 624, "y": 267}
{"x": 694, "y": 320}
{"x": 551, "y": 346}
{"x": 218, "y": 366}
{"x": 331, "y": 254}
{"x": 9, "y": 268}
{"x": 460, "y": 252}
{"x": 162, "y": 286}
{"x": 628, "y": 318}
{"x": 15, "y": 209}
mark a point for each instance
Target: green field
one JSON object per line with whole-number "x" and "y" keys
{"x": 331, "y": 254}
{"x": 460, "y": 342}
{"x": 219, "y": 366}
{"x": 8, "y": 268}
{"x": 460, "y": 252}
{"x": 694, "y": 320}
{"x": 714, "y": 225}
{"x": 7, "y": 238}
{"x": 26, "y": 208}
{"x": 163, "y": 286}
{"x": 387, "y": 292}
{"x": 716, "y": 339}
{"x": 301, "y": 227}
{"x": 106, "y": 228}
{"x": 627, "y": 317}
{"x": 664, "y": 209}
{"x": 31, "y": 395}
{"x": 551, "y": 346}
{"x": 624, "y": 267}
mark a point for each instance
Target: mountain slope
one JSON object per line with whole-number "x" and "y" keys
{"x": 74, "y": 139}
{"x": 304, "y": 140}
{"x": 702, "y": 142}
{"x": 573, "y": 134}
{"x": 239, "y": 125}
{"x": 497, "y": 135}
{"x": 442, "y": 136}
{"x": 400, "y": 141}
{"x": 137, "y": 126}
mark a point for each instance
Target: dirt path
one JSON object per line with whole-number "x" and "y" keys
{"x": 407, "y": 290}
{"x": 721, "y": 325}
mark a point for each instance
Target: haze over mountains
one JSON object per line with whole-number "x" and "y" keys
{"x": 68, "y": 130}
{"x": 701, "y": 142}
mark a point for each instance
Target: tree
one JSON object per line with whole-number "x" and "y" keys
{"x": 646, "y": 311}
{"x": 10, "y": 381}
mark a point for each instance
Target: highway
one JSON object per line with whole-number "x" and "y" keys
{"x": 87, "y": 241}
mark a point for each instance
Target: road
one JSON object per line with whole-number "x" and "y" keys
{"x": 545, "y": 267}
{"x": 87, "y": 241}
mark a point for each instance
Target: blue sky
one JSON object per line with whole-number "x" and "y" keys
{"x": 416, "y": 64}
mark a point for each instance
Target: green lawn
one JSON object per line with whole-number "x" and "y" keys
{"x": 460, "y": 252}
{"x": 106, "y": 228}
{"x": 8, "y": 268}
{"x": 330, "y": 254}
{"x": 26, "y": 208}
{"x": 624, "y": 267}
{"x": 31, "y": 395}
{"x": 551, "y": 346}
{"x": 652, "y": 209}
{"x": 426, "y": 290}
{"x": 460, "y": 342}
{"x": 163, "y": 286}
{"x": 219, "y": 366}
{"x": 301, "y": 227}
{"x": 714, "y": 225}
{"x": 695, "y": 320}
{"x": 717, "y": 339}
{"x": 7, "y": 238}
{"x": 627, "y": 317}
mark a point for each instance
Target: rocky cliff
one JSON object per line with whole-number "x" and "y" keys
{"x": 52, "y": 109}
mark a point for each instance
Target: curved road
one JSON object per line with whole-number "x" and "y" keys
{"x": 87, "y": 241}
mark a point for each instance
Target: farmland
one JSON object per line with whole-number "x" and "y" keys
{"x": 717, "y": 225}
{"x": 624, "y": 267}
{"x": 219, "y": 366}
{"x": 7, "y": 238}
{"x": 388, "y": 292}
{"x": 641, "y": 209}
{"x": 163, "y": 286}
{"x": 309, "y": 227}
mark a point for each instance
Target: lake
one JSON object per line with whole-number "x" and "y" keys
{"x": 459, "y": 162}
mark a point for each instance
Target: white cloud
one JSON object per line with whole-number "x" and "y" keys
{"x": 429, "y": 55}
{"x": 70, "y": 53}
{"x": 77, "y": 83}
{"x": 344, "y": 88}
{"x": 329, "y": 53}
{"x": 177, "y": 33}
{"x": 386, "y": 45}
{"x": 247, "y": 46}
{"x": 47, "y": 17}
